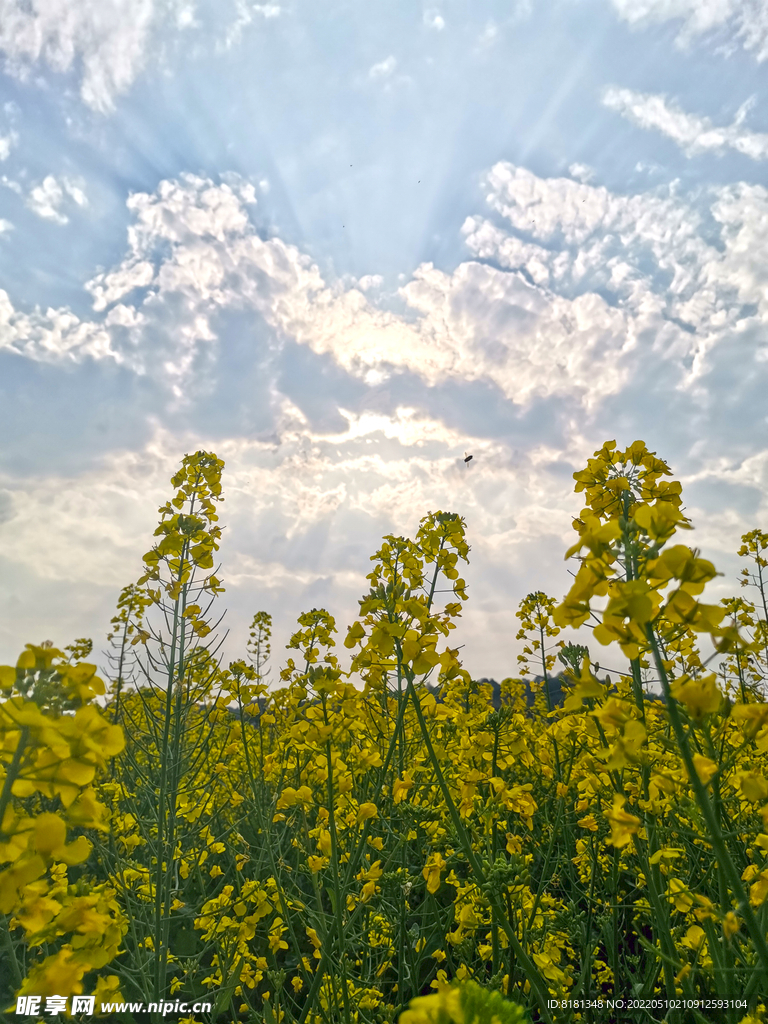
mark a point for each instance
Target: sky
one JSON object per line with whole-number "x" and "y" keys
{"x": 342, "y": 245}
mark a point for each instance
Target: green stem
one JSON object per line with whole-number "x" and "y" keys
{"x": 13, "y": 773}
{"x": 161, "y": 838}
{"x": 336, "y": 879}
{"x": 10, "y": 951}
{"x": 537, "y": 985}
{"x": 705, "y": 806}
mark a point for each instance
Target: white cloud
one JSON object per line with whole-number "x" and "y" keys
{"x": 55, "y": 335}
{"x": 570, "y": 293}
{"x": 566, "y": 294}
{"x": 678, "y": 293}
{"x": 10, "y": 183}
{"x": 369, "y": 281}
{"x": 694, "y": 134}
{"x": 570, "y": 290}
{"x": 408, "y": 426}
{"x": 192, "y": 250}
{"x": 478, "y": 323}
{"x": 318, "y": 503}
{"x": 246, "y": 14}
{"x": 185, "y": 15}
{"x": 47, "y": 198}
{"x": 743, "y": 22}
{"x": 107, "y": 504}
{"x": 489, "y": 34}
{"x": 434, "y": 20}
{"x": 7, "y": 142}
{"x": 44, "y": 198}
{"x": 581, "y": 172}
{"x": 105, "y": 40}
{"x": 384, "y": 68}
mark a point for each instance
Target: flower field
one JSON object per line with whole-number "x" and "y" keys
{"x": 312, "y": 845}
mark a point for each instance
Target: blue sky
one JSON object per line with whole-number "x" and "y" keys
{"x": 341, "y": 245}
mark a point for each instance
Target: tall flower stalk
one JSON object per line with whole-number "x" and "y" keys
{"x": 168, "y": 622}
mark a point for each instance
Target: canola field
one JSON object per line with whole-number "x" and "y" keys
{"x": 301, "y": 844}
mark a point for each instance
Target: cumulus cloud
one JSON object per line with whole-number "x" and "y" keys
{"x": 246, "y": 15}
{"x": 47, "y": 198}
{"x": 569, "y": 294}
{"x": 193, "y": 250}
{"x": 105, "y": 40}
{"x": 489, "y": 34}
{"x": 694, "y": 134}
{"x": 434, "y": 20}
{"x": 570, "y": 286}
{"x": 304, "y": 510}
{"x": 53, "y": 336}
{"x": 581, "y": 172}
{"x": 384, "y": 68}
{"x": 11, "y": 184}
{"x": 742, "y": 22}
{"x": 7, "y": 142}
{"x": 370, "y": 281}
{"x": 649, "y": 252}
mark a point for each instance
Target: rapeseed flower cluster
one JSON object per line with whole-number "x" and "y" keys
{"x": 54, "y": 741}
{"x": 395, "y": 840}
